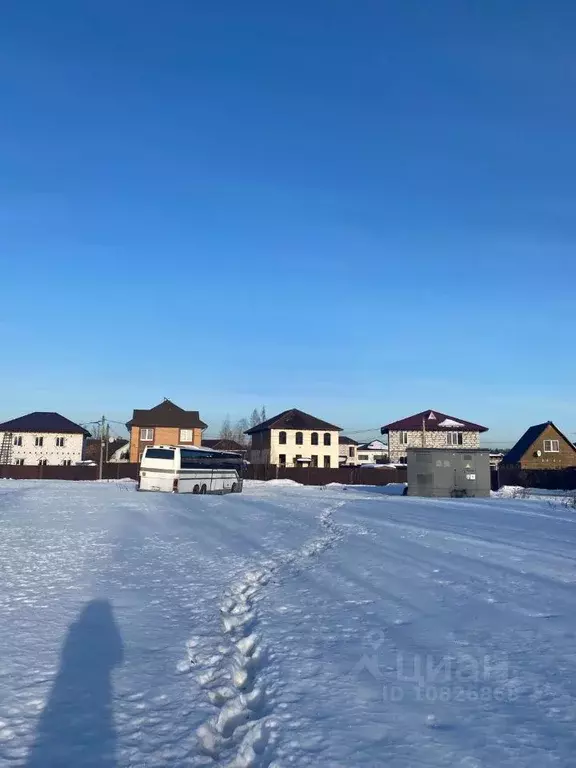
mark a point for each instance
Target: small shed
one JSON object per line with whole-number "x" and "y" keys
{"x": 445, "y": 472}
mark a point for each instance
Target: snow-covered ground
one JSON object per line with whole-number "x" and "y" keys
{"x": 287, "y": 626}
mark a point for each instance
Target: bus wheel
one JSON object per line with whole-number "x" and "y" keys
{"x": 196, "y": 489}
{"x": 234, "y": 488}
{"x": 203, "y": 489}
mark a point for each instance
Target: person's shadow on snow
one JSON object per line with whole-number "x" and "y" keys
{"x": 76, "y": 727}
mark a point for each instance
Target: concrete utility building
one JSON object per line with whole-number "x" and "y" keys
{"x": 444, "y": 472}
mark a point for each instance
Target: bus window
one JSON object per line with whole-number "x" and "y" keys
{"x": 189, "y": 457}
{"x": 159, "y": 453}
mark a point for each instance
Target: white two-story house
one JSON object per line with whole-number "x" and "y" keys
{"x": 294, "y": 438}
{"x": 43, "y": 438}
{"x": 355, "y": 454}
{"x": 374, "y": 452}
{"x": 430, "y": 429}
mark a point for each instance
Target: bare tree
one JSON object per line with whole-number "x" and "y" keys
{"x": 255, "y": 418}
{"x": 263, "y": 414}
{"x": 238, "y": 431}
{"x": 226, "y": 431}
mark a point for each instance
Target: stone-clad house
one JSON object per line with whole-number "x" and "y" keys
{"x": 347, "y": 451}
{"x": 430, "y": 429}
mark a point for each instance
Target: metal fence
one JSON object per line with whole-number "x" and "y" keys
{"x": 547, "y": 479}
{"x": 38, "y": 472}
{"x": 321, "y": 476}
{"x": 552, "y": 480}
{"x": 304, "y": 475}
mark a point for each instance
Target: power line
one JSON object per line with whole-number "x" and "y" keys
{"x": 359, "y": 431}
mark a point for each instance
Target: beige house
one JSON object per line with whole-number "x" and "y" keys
{"x": 430, "y": 429}
{"x": 294, "y": 438}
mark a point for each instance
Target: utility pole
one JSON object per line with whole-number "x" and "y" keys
{"x": 102, "y": 439}
{"x": 107, "y": 452}
{"x": 423, "y": 432}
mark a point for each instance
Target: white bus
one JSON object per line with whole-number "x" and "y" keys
{"x": 184, "y": 469}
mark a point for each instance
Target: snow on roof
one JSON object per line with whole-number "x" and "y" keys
{"x": 373, "y": 445}
{"x": 450, "y": 423}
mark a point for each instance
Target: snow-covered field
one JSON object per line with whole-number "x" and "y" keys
{"x": 287, "y": 626}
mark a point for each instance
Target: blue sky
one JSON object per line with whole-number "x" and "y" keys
{"x": 362, "y": 209}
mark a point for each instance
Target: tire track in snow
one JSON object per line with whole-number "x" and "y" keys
{"x": 242, "y": 731}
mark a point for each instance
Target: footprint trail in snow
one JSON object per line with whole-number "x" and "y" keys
{"x": 242, "y": 733}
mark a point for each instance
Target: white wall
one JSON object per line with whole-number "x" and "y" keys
{"x": 371, "y": 455}
{"x": 306, "y": 449}
{"x": 32, "y": 454}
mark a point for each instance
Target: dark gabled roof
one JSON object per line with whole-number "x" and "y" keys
{"x": 292, "y": 419}
{"x": 44, "y": 421}
{"x": 343, "y": 440}
{"x": 166, "y": 414}
{"x": 223, "y": 444}
{"x": 518, "y": 451}
{"x": 433, "y": 423}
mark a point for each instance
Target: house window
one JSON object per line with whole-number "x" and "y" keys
{"x": 19, "y": 462}
{"x": 38, "y": 442}
{"x": 326, "y": 458}
{"x": 186, "y": 435}
{"x": 59, "y": 442}
{"x": 282, "y": 438}
{"x": 314, "y": 438}
{"x": 403, "y": 438}
{"x": 454, "y": 438}
{"x": 403, "y": 460}
{"x": 67, "y": 463}
{"x": 351, "y": 451}
{"x": 551, "y": 446}
{"x": 282, "y": 459}
{"x": 327, "y": 438}
{"x": 296, "y": 462}
{"x": 43, "y": 463}
{"x": 363, "y": 457}
{"x": 147, "y": 434}
{"x": 299, "y": 438}
{"x": 18, "y": 440}
{"x": 314, "y": 460}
